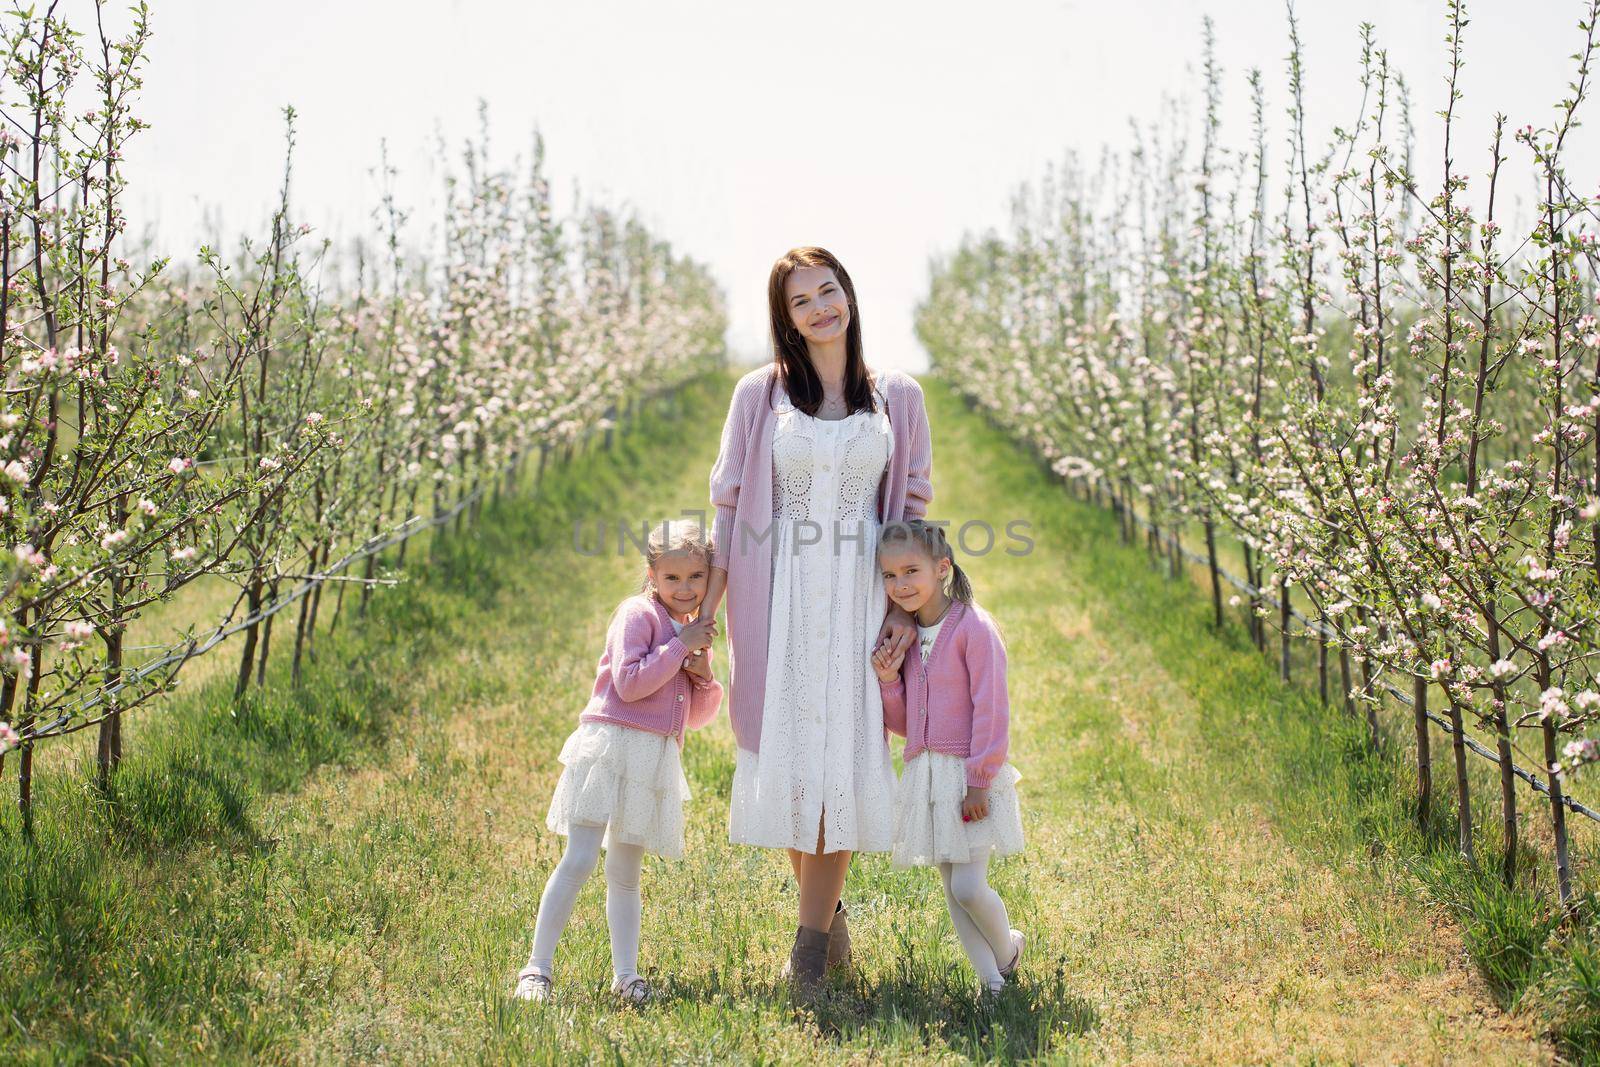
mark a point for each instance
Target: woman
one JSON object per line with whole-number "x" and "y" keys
{"x": 817, "y": 453}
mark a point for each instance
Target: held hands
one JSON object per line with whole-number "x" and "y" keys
{"x": 699, "y": 665}
{"x": 886, "y": 661}
{"x": 898, "y": 631}
{"x": 696, "y": 636}
{"x": 976, "y": 804}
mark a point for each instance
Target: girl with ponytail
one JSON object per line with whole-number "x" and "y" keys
{"x": 956, "y": 802}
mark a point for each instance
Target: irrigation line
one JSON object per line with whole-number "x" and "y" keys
{"x": 64, "y": 722}
{"x": 372, "y": 546}
{"x": 1316, "y": 627}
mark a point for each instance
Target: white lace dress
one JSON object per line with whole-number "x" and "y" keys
{"x": 824, "y": 758}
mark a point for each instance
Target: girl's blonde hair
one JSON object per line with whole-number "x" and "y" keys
{"x": 674, "y": 535}
{"x": 930, "y": 538}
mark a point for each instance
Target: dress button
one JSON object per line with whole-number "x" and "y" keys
{"x": 680, "y": 698}
{"x": 827, "y": 466}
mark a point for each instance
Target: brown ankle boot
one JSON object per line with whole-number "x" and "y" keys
{"x": 839, "y": 941}
{"x": 808, "y": 963}
{"x": 838, "y": 944}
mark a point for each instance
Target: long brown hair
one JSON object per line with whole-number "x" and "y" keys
{"x": 795, "y": 372}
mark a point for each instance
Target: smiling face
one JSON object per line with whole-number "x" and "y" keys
{"x": 817, "y": 305}
{"x": 680, "y": 579}
{"x": 911, "y": 577}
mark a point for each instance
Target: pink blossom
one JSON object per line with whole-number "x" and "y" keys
{"x": 1553, "y": 639}
{"x": 1581, "y": 751}
{"x": 1552, "y": 703}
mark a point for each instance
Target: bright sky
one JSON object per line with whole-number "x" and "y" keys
{"x": 880, "y": 130}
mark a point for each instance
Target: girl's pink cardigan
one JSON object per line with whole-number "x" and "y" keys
{"x": 641, "y": 681}
{"x": 741, "y": 490}
{"x": 957, "y": 703}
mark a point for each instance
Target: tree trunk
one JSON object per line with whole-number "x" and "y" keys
{"x": 1419, "y": 708}
{"x": 1216, "y": 577}
{"x": 247, "y": 655}
{"x": 1463, "y": 793}
{"x": 1344, "y": 679}
{"x": 1374, "y": 731}
{"x": 1558, "y": 815}
{"x": 1508, "y": 796}
{"x": 109, "y": 750}
{"x": 1322, "y": 663}
{"x": 1283, "y": 630}
{"x": 266, "y": 639}
{"x": 1250, "y": 580}
{"x": 300, "y": 628}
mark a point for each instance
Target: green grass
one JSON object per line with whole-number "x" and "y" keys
{"x": 349, "y": 872}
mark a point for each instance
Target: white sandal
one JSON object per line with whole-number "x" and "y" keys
{"x": 533, "y": 987}
{"x": 633, "y": 991}
{"x": 1018, "y": 939}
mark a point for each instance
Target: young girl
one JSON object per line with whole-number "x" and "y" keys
{"x": 956, "y": 804}
{"x": 623, "y": 784}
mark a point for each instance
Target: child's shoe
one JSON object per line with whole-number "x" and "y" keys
{"x": 533, "y": 987}
{"x": 631, "y": 990}
{"x": 1018, "y": 938}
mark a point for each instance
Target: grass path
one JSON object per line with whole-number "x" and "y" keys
{"x": 1200, "y": 883}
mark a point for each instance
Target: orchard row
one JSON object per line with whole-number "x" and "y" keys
{"x": 268, "y": 417}
{"x": 1386, "y": 393}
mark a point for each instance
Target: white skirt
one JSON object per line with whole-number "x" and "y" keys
{"x": 927, "y": 814}
{"x": 629, "y": 781}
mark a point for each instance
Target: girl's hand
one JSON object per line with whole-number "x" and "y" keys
{"x": 976, "y": 804}
{"x": 887, "y": 663}
{"x": 698, "y": 634}
{"x": 698, "y": 664}
{"x": 898, "y": 630}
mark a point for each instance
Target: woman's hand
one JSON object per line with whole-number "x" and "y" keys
{"x": 976, "y": 804}
{"x": 898, "y": 630}
{"x": 887, "y": 663}
{"x": 698, "y": 634}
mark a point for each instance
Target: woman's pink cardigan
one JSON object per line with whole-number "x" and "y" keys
{"x": 741, "y": 490}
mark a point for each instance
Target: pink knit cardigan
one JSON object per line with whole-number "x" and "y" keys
{"x": 641, "y": 681}
{"x": 742, "y": 492}
{"x": 957, "y": 703}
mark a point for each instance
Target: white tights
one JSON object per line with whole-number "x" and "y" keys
{"x": 623, "y": 905}
{"x": 979, "y": 916}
